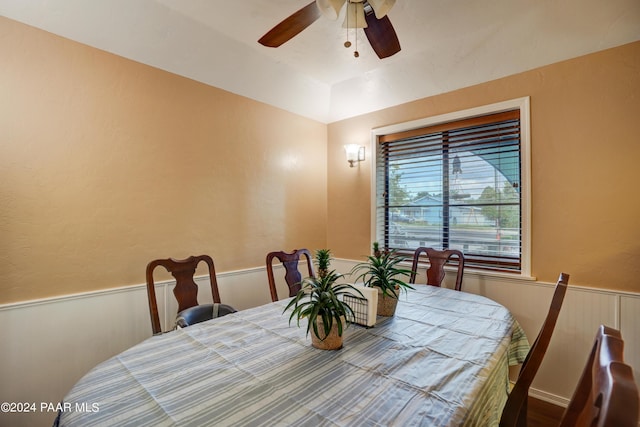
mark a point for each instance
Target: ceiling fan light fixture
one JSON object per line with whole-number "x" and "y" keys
{"x": 359, "y": 14}
{"x": 330, "y": 8}
{"x": 381, "y": 7}
{"x": 354, "y": 18}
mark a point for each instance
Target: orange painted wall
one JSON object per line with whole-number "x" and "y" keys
{"x": 585, "y": 138}
{"x": 106, "y": 164}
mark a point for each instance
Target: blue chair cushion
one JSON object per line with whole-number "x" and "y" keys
{"x": 202, "y": 312}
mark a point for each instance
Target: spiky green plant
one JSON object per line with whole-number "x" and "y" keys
{"x": 382, "y": 270}
{"x": 323, "y": 261}
{"x": 376, "y": 250}
{"x": 322, "y": 297}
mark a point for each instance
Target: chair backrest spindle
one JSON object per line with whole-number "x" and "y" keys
{"x": 186, "y": 290}
{"x": 437, "y": 261}
{"x": 293, "y": 277}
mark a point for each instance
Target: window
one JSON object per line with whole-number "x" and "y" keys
{"x": 460, "y": 182}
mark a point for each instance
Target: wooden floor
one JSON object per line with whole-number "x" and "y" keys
{"x": 543, "y": 414}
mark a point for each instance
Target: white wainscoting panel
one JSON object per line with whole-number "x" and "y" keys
{"x": 630, "y": 328}
{"x": 49, "y": 344}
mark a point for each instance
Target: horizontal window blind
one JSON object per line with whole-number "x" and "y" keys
{"x": 454, "y": 185}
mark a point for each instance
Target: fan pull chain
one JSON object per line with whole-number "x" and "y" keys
{"x": 347, "y": 43}
{"x": 355, "y": 32}
{"x": 355, "y": 52}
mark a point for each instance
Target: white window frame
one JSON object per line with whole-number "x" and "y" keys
{"x": 525, "y": 167}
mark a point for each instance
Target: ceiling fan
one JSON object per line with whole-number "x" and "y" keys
{"x": 371, "y": 15}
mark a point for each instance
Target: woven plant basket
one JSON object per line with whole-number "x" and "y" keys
{"x": 386, "y": 304}
{"x": 332, "y": 342}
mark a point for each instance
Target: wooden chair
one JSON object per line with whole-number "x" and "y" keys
{"x": 186, "y": 290}
{"x": 515, "y": 410}
{"x": 293, "y": 277}
{"x": 437, "y": 261}
{"x": 606, "y": 395}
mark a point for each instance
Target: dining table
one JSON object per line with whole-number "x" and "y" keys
{"x": 442, "y": 360}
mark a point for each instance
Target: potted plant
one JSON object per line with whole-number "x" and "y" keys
{"x": 320, "y": 301}
{"x": 382, "y": 270}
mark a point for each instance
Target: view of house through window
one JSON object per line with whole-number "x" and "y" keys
{"x": 454, "y": 185}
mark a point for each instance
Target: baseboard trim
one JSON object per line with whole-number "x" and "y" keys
{"x": 549, "y": 397}
{"x": 552, "y": 398}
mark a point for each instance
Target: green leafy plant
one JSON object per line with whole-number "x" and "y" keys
{"x": 321, "y": 298}
{"x": 382, "y": 270}
{"x": 323, "y": 261}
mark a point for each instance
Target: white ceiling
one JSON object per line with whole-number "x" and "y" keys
{"x": 446, "y": 44}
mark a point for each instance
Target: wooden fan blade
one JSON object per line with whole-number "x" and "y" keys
{"x": 292, "y": 26}
{"x": 381, "y": 35}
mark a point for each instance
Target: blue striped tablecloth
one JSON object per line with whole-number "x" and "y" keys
{"x": 441, "y": 361}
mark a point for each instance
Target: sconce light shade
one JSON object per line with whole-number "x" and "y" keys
{"x": 330, "y": 8}
{"x": 354, "y": 18}
{"x": 355, "y": 153}
{"x": 381, "y": 7}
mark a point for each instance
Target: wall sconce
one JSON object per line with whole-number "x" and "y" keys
{"x": 355, "y": 153}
